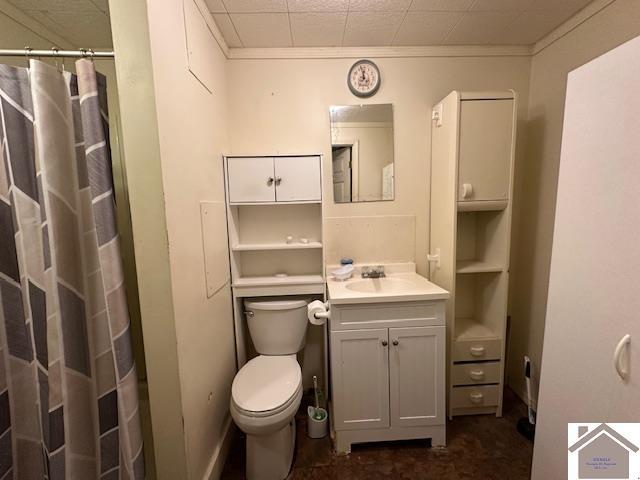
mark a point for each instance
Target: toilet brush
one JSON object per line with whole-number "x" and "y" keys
{"x": 527, "y": 425}
{"x": 317, "y": 414}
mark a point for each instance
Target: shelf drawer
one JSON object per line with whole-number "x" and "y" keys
{"x": 471, "y": 373}
{"x": 481, "y": 349}
{"x": 475, "y": 396}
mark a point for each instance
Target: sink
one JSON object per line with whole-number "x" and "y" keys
{"x": 380, "y": 285}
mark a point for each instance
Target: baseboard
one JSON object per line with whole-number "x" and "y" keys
{"x": 220, "y": 455}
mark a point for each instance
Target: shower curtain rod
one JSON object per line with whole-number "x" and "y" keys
{"x": 55, "y": 52}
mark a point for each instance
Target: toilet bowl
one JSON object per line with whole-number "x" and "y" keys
{"x": 267, "y": 391}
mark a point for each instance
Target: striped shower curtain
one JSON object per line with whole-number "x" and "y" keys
{"x": 68, "y": 386}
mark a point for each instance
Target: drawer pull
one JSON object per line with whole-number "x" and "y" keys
{"x": 476, "y": 397}
{"x": 477, "y": 351}
{"x": 476, "y": 374}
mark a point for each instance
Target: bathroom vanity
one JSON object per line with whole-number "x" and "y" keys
{"x": 387, "y": 358}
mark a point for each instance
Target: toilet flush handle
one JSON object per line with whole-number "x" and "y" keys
{"x": 249, "y": 313}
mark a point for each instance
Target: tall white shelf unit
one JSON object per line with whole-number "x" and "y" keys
{"x": 473, "y": 146}
{"x": 270, "y": 198}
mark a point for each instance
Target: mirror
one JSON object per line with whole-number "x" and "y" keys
{"x": 362, "y": 153}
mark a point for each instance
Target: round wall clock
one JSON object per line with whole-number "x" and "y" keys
{"x": 364, "y": 78}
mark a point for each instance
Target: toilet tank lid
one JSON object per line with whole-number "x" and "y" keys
{"x": 275, "y": 304}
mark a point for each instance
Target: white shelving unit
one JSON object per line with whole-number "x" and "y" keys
{"x": 270, "y": 198}
{"x": 473, "y": 140}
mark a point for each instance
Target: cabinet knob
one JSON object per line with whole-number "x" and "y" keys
{"x": 278, "y": 180}
{"x": 270, "y": 181}
{"x": 477, "y": 351}
{"x": 395, "y": 342}
{"x": 467, "y": 190}
{"x": 384, "y": 343}
{"x": 476, "y": 374}
{"x": 476, "y": 397}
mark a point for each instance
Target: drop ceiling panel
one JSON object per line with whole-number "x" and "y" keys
{"x": 562, "y": 5}
{"x": 317, "y": 29}
{"x": 426, "y": 28}
{"x": 528, "y": 28}
{"x": 255, "y": 6}
{"x": 371, "y": 28}
{"x": 318, "y": 5}
{"x": 502, "y": 5}
{"x": 223, "y": 20}
{"x": 441, "y": 5}
{"x": 480, "y": 28}
{"x": 263, "y": 29}
{"x": 379, "y": 5}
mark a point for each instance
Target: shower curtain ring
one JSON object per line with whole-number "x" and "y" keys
{"x": 54, "y": 51}
{"x": 92, "y": 54}
{"x": 27, "y": 52}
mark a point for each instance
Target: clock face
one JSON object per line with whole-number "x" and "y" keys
{"x": 364, "y": 78}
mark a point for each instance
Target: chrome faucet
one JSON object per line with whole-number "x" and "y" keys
{"x": 375, "y": 271}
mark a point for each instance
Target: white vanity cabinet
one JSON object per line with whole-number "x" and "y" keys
{"x": 387, "y": 372}
{"x": 274, "y": 179}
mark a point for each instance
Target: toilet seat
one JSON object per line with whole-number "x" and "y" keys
{"x": 267, "y": 385}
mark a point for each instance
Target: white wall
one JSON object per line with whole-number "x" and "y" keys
{"x": 537, "y": 175}
{"x": 193, "y": 135}
{"x": 282, "y": 106}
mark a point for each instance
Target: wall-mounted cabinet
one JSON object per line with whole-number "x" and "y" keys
{"x": 473, "y": 139}
{"x": 274, "y": 179}
{"x": 275, "y": 224}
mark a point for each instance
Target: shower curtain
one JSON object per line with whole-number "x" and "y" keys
{"x": 68, "y": 383}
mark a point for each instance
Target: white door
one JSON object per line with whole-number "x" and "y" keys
{"x": 486, "y": 137}
{"x": 297, "y": 179}
{"x": 341, "y": 160}
{"x": 594, "y": 290}
{"x": 360, "y": 372}
{"x": 251, "y": 180}
{"x": 416, "y": 376}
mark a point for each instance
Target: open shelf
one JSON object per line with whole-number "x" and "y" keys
{"x": 273, "y": 280}
{"x": 470, "y": 329}
{"x": 475, "y": 266}
{"x": 248, "y": 247}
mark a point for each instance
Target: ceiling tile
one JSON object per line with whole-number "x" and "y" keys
{"x": 255, "y": 6}
{"x": 379, "y": 5}
{"x": 441, "y": 5}
{"x": 317, "y": 29}
{"x": 318, "y": 5}
{"x": 55, "y": 5}
{"x": 85, "y": 29}
{"x": 262, "y": 29}
{"x": 215, "y": 6}
{"x": 223, "y": 20}
{"x": 528, "y": 28}
{"x": 371, "y": 28}
{"x": 480, "y": 28}
{"x": 501, "y": 5}
{"x": 426, "y": 28}
{"x": 573, "y": 5}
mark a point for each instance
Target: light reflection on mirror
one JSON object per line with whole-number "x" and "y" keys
{"x": 362, "y": 153}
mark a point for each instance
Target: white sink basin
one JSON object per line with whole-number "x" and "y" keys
{"x": 380, "y": 285}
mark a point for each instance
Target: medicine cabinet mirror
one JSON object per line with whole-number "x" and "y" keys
{"x": 362, "y": 153}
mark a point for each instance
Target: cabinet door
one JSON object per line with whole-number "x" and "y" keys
{"x": 360, "y": 378}
{"x": 251, "y": 179}
{"x": 416, "y": 374}
{"x": 297, "y": 179}
{"x": 486, "y": 136}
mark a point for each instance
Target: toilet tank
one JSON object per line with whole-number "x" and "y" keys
{"x": 277, "y": 326}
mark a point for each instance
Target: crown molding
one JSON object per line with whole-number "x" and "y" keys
{"x": 569, "y": 25}
{"x": 34, "y": 27}
{"x": 378, "y": 52}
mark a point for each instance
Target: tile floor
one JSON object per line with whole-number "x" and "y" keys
{"x": 478, "y": 447}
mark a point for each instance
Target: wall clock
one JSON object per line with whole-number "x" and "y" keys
{"x": 364, "y": 78}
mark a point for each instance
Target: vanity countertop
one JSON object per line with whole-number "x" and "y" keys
{"x": 401, "y": 284}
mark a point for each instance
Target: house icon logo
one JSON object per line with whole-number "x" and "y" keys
{"x": 604, "y": 451}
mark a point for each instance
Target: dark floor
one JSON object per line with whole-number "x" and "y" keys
{"x": 478, "y": 447}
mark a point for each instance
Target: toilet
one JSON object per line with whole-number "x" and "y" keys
{"x": 267, "y": 391}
